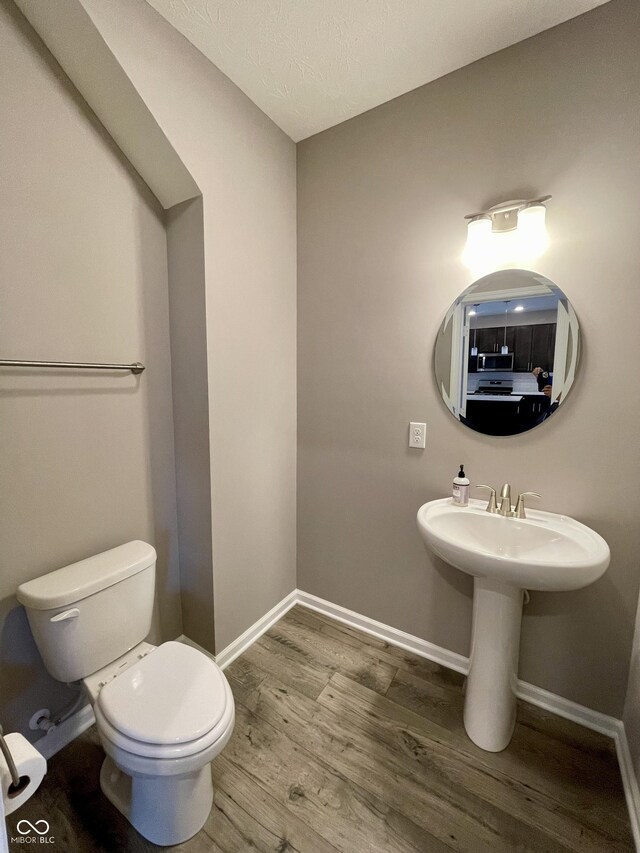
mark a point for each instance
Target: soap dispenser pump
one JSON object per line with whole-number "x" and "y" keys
{"x": 461, "y": 488}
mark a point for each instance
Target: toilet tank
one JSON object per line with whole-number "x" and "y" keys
{"x": 87, "y": 614}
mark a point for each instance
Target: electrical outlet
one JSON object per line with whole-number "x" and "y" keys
{"x": 417, "y": 435}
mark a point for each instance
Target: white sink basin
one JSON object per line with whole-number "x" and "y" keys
{"x": 545, "y": 551}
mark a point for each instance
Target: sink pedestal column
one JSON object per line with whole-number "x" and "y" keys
{"x": 490, "y": 698}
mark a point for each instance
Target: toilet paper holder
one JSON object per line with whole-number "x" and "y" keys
{"x": 17, "y": 783}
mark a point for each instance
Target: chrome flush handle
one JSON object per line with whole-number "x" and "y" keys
{"x": 67, "y": 614}
{"x": 491, "y": 506}
{"x": 519, "y": 510}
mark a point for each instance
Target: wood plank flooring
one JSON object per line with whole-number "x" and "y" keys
{"x": 344, "y": 743}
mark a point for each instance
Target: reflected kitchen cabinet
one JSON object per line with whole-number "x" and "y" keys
{"x": 534, "y": 347}
{"x": 531, "y": 345}
{"x": 522, "y": 349}
{"x": 487, "y": 340}
{"x": 543, "y": 346}
{"x": 492, "y": 338}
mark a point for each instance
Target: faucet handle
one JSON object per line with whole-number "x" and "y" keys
{"x": 519, "y": 510}
{"x": 491, "y": 506}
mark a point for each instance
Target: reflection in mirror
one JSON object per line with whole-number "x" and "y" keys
{"x": 507, "y": 352}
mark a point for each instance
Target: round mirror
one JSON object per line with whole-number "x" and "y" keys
{"x": 507, "y": 352}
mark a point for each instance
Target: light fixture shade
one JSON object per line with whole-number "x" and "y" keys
{"x": 504, "y": 350}
{"x": 478, "y": 242}
{"x": 474, "y": 350}
{"x": 532, "y": 231}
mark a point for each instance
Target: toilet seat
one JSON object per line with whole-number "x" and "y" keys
{"x": 173, "y": 703}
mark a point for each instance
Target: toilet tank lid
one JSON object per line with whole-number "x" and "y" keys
{"x": 80, "y": 580}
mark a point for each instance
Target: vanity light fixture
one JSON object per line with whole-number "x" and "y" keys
{"x": 519, "y": 308}
{"x": 509, "y": 233}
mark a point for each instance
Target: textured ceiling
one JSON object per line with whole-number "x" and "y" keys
{"x": 310, "y": 64}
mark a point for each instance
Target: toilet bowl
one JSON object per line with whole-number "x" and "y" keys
{"x": 161, "y": 721}
{"x": 163, "y": 712}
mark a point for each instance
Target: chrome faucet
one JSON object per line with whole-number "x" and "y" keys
{"x": 505, "y": 509}
{"x": 505, "y": 501}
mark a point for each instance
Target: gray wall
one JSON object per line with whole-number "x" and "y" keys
{"x": 185, "y": 252}
{"x": 381, "y": 200}
{"x": 86, "y": 460}
{"x": 246, "y": 169}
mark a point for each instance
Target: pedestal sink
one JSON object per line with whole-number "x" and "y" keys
{"x": 506, "y": 555}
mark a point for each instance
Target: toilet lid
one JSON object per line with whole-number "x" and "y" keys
{"x": 173, "y": 695}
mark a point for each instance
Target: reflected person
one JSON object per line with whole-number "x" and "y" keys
{"x": 544, "y": 379}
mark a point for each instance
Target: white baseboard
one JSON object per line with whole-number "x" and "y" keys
{"x": 63, "y": 734}
{"x": 586, "y": 717}
{"x": 255, "y": 631}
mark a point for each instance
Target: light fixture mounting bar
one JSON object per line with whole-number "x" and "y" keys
{"x": 507, "y": 206}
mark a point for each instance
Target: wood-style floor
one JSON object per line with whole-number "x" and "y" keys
{"x": 344, "y": 743}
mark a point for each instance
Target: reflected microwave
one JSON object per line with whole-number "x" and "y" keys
{"x": 495, "y": 361}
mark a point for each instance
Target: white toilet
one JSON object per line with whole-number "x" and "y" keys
{"x": 163, "y": 713}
